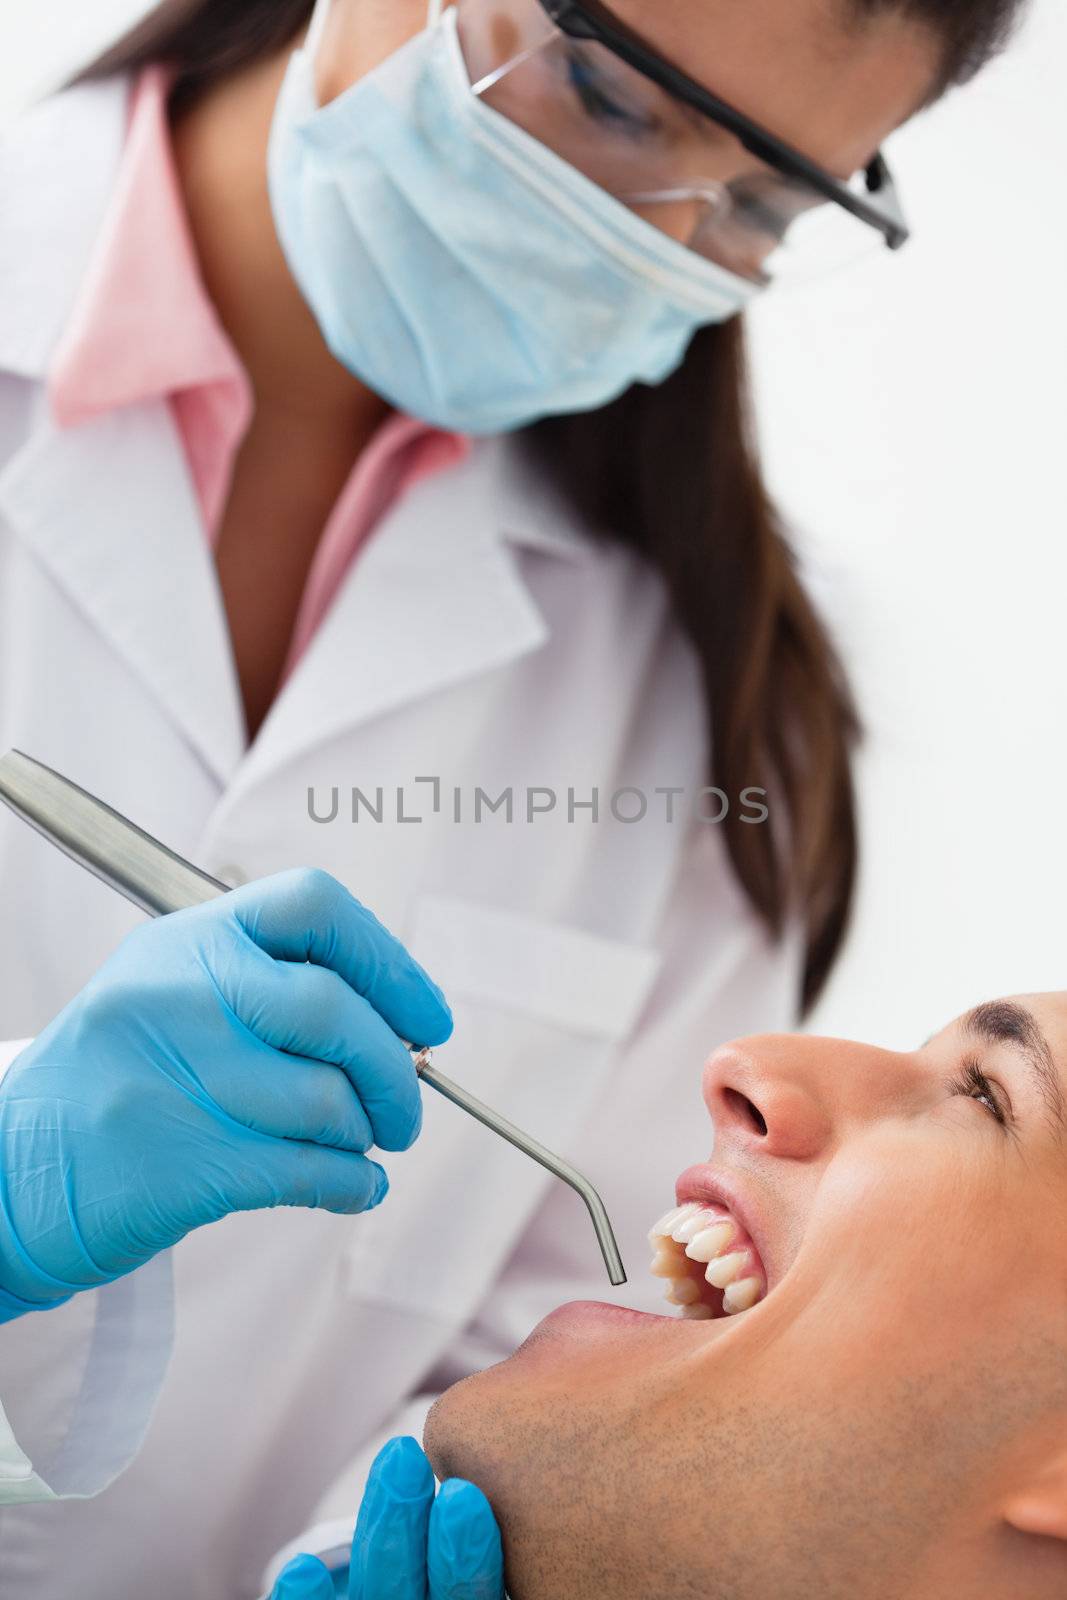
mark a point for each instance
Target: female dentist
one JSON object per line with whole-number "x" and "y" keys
{"x": 376, "y": 494}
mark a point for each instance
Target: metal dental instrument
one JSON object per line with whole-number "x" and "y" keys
{"x": 158, "y": 880}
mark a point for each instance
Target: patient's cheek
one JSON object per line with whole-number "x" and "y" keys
{"x": 906, "y": 1242}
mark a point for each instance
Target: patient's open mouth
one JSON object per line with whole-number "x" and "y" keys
{"x": 711, "y": 1265}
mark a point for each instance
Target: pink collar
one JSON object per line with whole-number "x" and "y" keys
{"x": 144, "y": 326}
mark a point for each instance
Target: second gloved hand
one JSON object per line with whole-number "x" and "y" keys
{"x": 241, "y": 1054}
{"x": 409, "y": 1545}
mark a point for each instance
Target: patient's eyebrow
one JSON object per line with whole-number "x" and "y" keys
{"x": 1005, "y": 1022}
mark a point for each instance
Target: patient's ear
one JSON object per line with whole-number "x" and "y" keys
{"x": 1040, "y": 1506}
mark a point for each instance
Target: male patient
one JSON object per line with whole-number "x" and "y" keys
{"x": 861, "y": 1393}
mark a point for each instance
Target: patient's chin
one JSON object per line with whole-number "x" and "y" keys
{"x": 479, "y": 1430}
{"x": 473, "y": 1432}
{"x": 439, "y": 1437}
{"x": 457, "y": 1428}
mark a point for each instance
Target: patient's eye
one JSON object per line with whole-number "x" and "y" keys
{"x": 973, "y": 1084}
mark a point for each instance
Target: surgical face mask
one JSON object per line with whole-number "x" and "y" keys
{"x": 461, "y": 269}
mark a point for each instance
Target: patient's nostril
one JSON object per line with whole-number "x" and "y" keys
{"x": 742, "y": 1107}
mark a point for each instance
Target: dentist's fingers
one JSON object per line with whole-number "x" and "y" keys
{"x": 296, "y": 1097}
{"x": 389, "y": 1546}
{"x": 306, "y": 1010}
{"x": 306, "y": 915}
{"x": 286, "y": 1172}
{"x": 304, "y": 1578}
{"x": 464, "y": 1557}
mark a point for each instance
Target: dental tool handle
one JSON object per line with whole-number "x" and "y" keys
{"x": 159, "y": 881}
{"x": 109, "y": 845}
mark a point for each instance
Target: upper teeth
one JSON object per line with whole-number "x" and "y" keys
{"x": 710, "y": 1242}
{"x": 700, "y": 1235}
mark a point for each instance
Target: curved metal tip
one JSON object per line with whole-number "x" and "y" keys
{"x": 491, "y": 1119}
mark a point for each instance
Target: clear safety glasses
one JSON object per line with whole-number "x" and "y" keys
{"x": 574, "y": 75}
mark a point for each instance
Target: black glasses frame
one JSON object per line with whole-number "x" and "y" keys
{"x": 880, "y": 207}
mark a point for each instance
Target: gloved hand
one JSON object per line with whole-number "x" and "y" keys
{"x": 407, "y": 1545}
{"x": 240, "y": 1054}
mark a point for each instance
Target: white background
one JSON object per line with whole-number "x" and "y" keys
{"x": 914, "y": 420}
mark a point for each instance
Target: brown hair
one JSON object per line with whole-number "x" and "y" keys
{"x": 673, "y": 472}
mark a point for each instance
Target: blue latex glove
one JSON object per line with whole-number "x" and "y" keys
{"x": 408, "y": 1545}
{"x": 307, "y": 1579}
{"x": 241, "y": 1054}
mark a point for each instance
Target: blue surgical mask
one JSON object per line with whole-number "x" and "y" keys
{"x": 457, "y": 266}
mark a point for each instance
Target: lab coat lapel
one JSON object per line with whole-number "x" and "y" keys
{"x": 436, "y": 597}
{"x": 109, "y": 509}
{"x": 48, "y": 223}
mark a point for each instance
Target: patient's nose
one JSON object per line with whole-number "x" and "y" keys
{"x": 759, "y": 1098}
{"x": 796, "y": 1097}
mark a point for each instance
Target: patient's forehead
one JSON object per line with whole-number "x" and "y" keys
{"x": 1048, "y": 1009}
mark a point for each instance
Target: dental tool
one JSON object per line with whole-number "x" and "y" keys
{"x": 157, "y": 880}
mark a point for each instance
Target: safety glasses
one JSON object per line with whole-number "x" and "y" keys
{"x": 582, "y": 82}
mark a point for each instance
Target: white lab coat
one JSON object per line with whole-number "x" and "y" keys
{"x": 483, "y": 637}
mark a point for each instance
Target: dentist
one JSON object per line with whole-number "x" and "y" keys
{"x": 377, "y": 501}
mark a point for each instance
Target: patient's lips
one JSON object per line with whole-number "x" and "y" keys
{"x": 712, "y": 1266}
